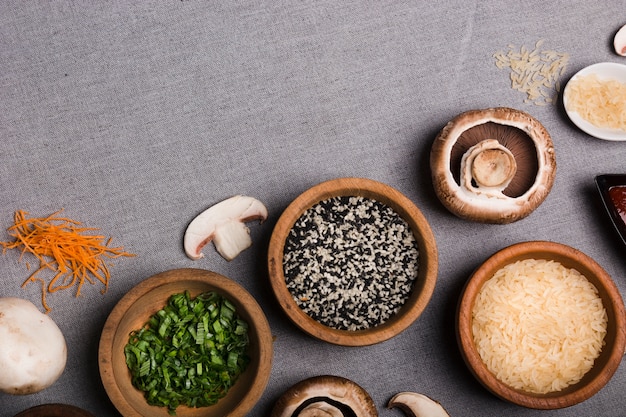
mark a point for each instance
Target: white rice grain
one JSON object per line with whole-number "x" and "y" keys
{"x": 538, "y": 326}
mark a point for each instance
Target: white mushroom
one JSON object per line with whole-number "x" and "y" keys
{"x": 224, "y": 224}
{"x": 619, "y": 42}
{"x": 33, "y": 352}
{"x": 325, "y": 396}
{"x": 417, "y": 405}
{"x": 493, "y": 165}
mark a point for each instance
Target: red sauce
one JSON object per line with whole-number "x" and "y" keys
{"x": 618, "y": 196}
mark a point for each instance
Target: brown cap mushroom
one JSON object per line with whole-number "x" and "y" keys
{"x": 325, "y": 396}
{"x": 493, "y": 165}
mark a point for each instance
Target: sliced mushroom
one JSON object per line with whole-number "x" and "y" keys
{"x": 619, "y": 42}
{"x": 417, "y": 405}
{"x": 493, "y": 166}
{"x": 325, "y": 396}
{"x": 224, "y": 224}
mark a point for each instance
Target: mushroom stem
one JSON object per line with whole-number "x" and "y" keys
{"x": 231, "y": 239}
{"x": 493, "y": 167}
{"x": 490, "y": 166}
{"x": 417, "y": 405}
{"x": 320, "y": 409}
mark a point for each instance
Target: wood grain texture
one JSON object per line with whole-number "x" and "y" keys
{"x": 423, "y": 286}
{"x": 605, "y": 365}
{"x": 145, "y": 299}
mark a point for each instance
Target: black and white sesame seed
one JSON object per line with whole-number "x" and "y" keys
{"x": 350, "y": 262}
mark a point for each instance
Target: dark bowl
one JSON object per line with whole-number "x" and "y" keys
{"x": 605, "y": 184}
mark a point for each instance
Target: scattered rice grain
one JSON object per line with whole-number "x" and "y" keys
{"x": 535, "y": 73}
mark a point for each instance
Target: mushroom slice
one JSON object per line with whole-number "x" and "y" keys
{"x": 224, "y": 224}
{"x": 493, "y": 166}
{"x": 619, "y": 42}
{"x": 417, "y": 405}
{"x": 325, "y": 396}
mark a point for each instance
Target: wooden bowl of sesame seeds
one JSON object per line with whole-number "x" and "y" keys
{"x": 352, "y": 262}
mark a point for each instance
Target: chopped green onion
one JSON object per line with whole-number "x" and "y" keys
{"x": 188, "y": 353}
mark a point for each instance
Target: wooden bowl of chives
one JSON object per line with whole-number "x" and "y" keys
{"x": 151, "y": 295}
{"x": 422, "y": 287}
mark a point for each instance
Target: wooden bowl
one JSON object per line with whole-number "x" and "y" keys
{"x": 604, "y": 366}
{"x": 151, "y": 295}
{"x": 423, "y": 286}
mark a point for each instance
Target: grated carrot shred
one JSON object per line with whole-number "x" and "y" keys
{"x": 59, "y": 245}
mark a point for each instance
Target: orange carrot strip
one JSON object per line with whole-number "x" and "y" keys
{"x": 58, "y": 243}
{"x": 43, "y": 295}
{"x": 64, "y": 283}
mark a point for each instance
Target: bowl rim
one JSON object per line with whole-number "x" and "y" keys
{"x": 427, "y": 273}
{"x": 594, "y": 381}
{"x": 226, "y": 287}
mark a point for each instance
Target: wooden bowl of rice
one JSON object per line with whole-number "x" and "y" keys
{"x": 352, "y": 261}
{"x": 541, "y": 325}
